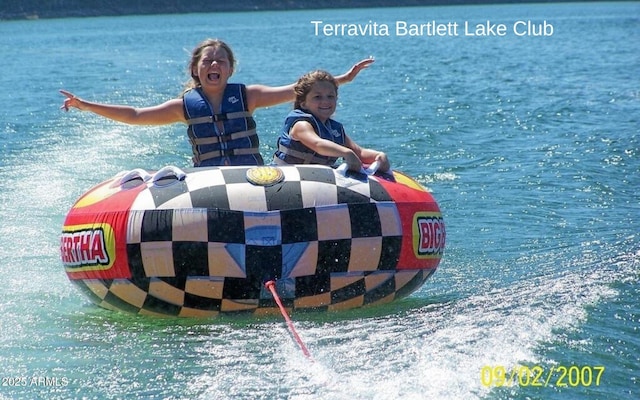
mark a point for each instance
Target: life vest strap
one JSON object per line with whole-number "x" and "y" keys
{"x": 224, "y": 138}
{"x": 307, "y": 158}
{"x": 219, "y": 117}
{"x": 224, "y": 153}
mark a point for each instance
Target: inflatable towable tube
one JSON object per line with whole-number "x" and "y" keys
{"x": 200, "y": 242}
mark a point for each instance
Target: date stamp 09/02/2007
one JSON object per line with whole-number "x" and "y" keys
{"x": 538, "y": 376}
{"x": 490, "y": 376}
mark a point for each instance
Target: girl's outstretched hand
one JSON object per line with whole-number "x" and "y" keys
{"x": 355, "y": 70}
{"x": 70, "y": 101}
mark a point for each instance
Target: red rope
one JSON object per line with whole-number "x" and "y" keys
{"x": 271, "y": 285}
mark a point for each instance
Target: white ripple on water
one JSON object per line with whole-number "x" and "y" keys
{"x": 433, "y": 351}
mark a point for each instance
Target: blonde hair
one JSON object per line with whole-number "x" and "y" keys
{"x": 196, "y": 54}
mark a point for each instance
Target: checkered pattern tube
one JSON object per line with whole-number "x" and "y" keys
{"x": 204, "y": 243}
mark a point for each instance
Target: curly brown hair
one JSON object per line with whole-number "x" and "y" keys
{"x": 305, "y": 83}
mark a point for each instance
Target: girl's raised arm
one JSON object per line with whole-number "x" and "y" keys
{"x": 166, "y": 113}
{"x": 266, "y": 96}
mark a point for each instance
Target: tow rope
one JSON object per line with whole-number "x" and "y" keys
{"x": 271, "y": 285}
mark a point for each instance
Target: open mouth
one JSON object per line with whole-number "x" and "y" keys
{"x": 213, "y": 76}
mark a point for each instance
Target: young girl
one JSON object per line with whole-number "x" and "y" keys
{"x": 221, "y": 130}
{"x": 310, "y": 136}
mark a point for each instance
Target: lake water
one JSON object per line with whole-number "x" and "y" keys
{"x": 528, "y": 137}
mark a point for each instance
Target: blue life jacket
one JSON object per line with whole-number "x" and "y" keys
{"x": 236, "y": 144}
{"x": 294, "y": 152}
